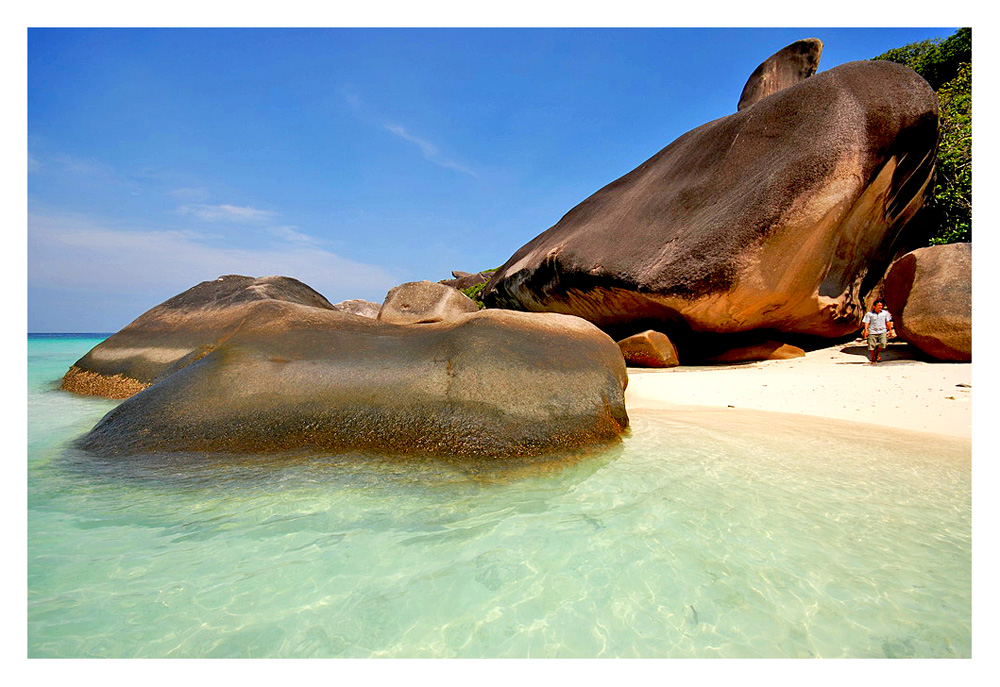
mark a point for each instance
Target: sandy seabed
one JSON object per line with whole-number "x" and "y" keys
{"x": 903, "y": 391}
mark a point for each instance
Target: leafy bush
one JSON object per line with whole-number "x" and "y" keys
{"x": 953, "y": 189}
{"x": 938, "y": 61}
{"x": 473, "y": 293}
{"x": 476, "y": 289}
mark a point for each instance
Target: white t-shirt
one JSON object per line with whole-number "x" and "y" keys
{"x": 878, "y": 322}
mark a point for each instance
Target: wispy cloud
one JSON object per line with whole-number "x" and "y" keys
{"x": 352, "y": 97}
{"x": 92, "y": 169}
{"x": 226, "y": 213}
{"x": 190, "y": 195}
{"x": 293, "y": 235}
{"x": 82, "y": 256}
{"x": 429, "y": 150}
{"x": 88, "y": 172}
{"x": 263, "y": 221}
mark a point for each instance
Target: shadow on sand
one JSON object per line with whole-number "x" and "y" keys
{"x": 896, "y": 352}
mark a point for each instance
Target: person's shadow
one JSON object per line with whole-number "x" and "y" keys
{"x": 896, "y": 351}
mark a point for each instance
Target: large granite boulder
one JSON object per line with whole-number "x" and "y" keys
{"x": 780, "y": 217}
{"x": 179, "y": 331}
{"x": 423, "y": 302}
{"x": 785, "y": 68}
{"x": 486, "y": 384}
{"x": 929, "y": 293}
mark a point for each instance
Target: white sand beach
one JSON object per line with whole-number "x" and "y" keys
{"x": 902, "y": 391}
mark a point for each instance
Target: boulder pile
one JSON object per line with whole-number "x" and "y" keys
{"x": 489, "y": 384}
{"x": 244, "y": 365}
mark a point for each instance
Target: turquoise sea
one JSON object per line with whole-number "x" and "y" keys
{"x": 704, "y": 534}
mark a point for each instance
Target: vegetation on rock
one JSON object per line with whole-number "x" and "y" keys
{"x": 476, "y": 289}
{"x": 947, "y": 67}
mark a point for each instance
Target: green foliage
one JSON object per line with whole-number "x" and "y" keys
{"x": 953, "y": 188}
{"x": 473, "y": 293}
{"x": 947, "y": 67}
{"x": 476, "y": 289}
{"x": 938, "y": 61}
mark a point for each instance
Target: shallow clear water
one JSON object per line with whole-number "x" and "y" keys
{"x": 705, "y": 534}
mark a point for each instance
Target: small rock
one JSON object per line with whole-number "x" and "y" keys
{"x": 424, "y": 302}
{"x": 649, "y": 349}
{"x": 360, "y": 307}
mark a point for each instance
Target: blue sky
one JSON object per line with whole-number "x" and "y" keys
{"x": 351, "y": 159}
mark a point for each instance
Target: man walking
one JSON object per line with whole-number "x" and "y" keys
{"x": 878, "y": 330}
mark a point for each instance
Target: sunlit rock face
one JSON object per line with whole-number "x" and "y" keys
{"x": 780, "y": 217}
{"x": 487, "y": 384}
{"x": 785, "y": 68}
{"x": 179, "y": 331}
{"x": 929, "y": 293}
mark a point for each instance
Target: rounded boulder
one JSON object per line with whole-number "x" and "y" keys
{"x": 178, "y": 331}
{"x": 929, "y": 293}
{"x": 486, "y": 384}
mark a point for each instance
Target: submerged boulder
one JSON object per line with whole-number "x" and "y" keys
{"x": 785, "y": 68}
{"x": 179, "y": 331}
{"x": 929, "y": 293}
{"x": 423, "y": 302}
{"x": 780, "y": 217}
{"x": 486, "y": 384}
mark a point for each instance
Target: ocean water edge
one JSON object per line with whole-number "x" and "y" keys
{"x": 701, "y": 535}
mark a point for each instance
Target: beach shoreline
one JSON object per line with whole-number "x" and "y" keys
{"x": 903, "y": 392}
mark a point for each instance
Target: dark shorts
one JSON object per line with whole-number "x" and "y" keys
{"x": 878, "y": 340}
